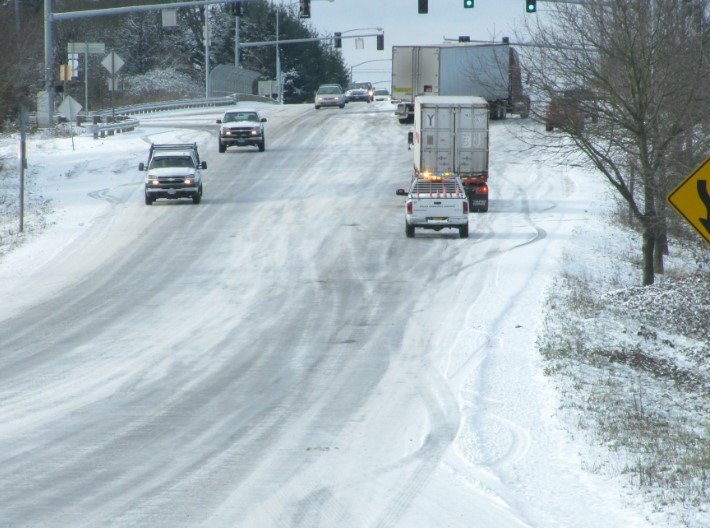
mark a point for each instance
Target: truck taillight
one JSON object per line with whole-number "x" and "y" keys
{"x": 465, "y": 207}
{"x": 484, "y": 189}
{"x": 409, "y": 206}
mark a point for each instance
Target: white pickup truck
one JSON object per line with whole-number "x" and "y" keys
{"x": 436, "y": 203}
{"x": 174, "y": 170}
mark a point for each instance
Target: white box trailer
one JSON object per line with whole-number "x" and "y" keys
{"x": 451, "y": 139}
{"x": 491, "y": 71}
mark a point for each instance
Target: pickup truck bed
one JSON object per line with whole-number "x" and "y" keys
{"x": 436, "y": 204}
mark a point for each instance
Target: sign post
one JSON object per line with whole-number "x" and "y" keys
{"x": 93, "y": 48}
{"x": 112, "y": 62}
{"x": 70, "y": 109}
{"x": 692, "y": 199}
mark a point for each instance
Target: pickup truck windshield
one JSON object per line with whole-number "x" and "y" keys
{"x": 240, "y": 116}
{"x": 172, "y": 161}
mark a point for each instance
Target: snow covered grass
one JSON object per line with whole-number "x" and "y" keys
{"x": 38, "y": 206}
{"x": 631, "y": 363}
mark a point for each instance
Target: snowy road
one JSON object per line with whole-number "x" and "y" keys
{"x": 281, "y": 355}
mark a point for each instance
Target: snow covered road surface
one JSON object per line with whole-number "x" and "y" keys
{"x": 281, "y": 355}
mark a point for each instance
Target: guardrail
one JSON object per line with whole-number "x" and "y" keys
{"x": 110, "y": 127}
{"x": 186, "y": 103}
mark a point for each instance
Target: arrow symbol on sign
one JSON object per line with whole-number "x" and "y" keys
{"x": 705, "y": 198}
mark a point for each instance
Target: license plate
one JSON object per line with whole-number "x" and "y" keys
{"x": 171, "y": 191}
{"x": 437, "y": 219}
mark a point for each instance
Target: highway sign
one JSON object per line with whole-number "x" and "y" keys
{"x": 112, "y": 62}
{"x": 69, "y": 108}
{"x": 692, "y": 199}
{"x": 91, "y": 48}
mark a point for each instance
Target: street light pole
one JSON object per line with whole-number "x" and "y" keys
{"x": 366, "y": 62}
{"x": 279, "y": 96}
{"x": 207, "y": 51}
{"x": 236, "y": 42}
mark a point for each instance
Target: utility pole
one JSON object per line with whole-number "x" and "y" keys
{"x": 279, "y": 95}
{"x": 236, "y": 43}
{"x": 207, "y": 51}
{"x": 23, "y": 163}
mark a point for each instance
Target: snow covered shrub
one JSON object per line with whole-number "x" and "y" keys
{"x": 159, "y": 82}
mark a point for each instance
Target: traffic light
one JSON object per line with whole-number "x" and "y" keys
{"x": 337, "y": 41}
{"x": 468, "y": 4}
{"x": 304, "y": 9}
{"x": 380, "y": 42}
{"x": 530, "y": 6}
{"x": 423, "y": 7}
{"x": 237, "y": 9}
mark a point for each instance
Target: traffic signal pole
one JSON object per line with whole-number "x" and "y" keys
{"x": 301, "y": 40}
{"x": 50, "y": 17}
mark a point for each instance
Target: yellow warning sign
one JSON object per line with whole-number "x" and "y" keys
{"x": 692, "y": 199}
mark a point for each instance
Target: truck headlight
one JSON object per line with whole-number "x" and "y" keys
{"x": 255, "y": 131}
{"x": 226, "y": 132}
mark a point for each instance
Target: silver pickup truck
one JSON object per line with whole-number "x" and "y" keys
{"x": 436, "y": 203}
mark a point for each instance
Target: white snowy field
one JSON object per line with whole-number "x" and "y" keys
{"x": 280, "y": 354}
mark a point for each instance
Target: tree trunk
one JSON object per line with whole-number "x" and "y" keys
{"x": 647, "y": 249}
{"x": 659, "y": 244}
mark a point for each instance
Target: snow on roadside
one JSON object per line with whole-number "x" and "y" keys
{"x": 631, "y": 364}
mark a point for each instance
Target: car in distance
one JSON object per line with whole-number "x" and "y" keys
{"x": 364, "y": 86}
{"x": 357, "y": 94}
{"x": 382, "y": 94}
{"x": 329, "y": 95}
{"x": 241, "y": 127}
{"x": 569, "y": 109}
{"x": 564, "y": 112}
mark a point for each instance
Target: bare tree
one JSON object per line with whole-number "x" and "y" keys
{"x": 641, "y": 70}
{"x": 20, "y": 61}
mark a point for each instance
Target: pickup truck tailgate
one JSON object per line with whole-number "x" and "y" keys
{"x": 436, "y": 207}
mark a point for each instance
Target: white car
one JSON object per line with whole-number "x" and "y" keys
{"x": 330, "y": 95}
{"x": 382, "y": 94}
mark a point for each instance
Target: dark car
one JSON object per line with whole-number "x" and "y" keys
{"x": 364, "y": 86}
{"x": 357, "y": 94}
{"x": 569, "y": 109}
{"x": 564, "y": 113}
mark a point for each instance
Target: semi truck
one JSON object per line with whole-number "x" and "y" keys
{"x": 491, "y": 71}
{"x": 450, "y": 140}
